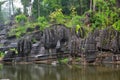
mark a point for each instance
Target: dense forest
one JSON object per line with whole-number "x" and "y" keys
{"x": 72, "y": 13}
{"x": 92, "y": 13}
{"x": 77, "y": 21}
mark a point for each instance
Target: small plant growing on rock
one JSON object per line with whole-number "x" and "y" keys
{"x": 1, "y": 54}
{"x": 42, "y": 22}
{"x": 57, "y": 16}
{"x": 116, "y": 25}
{"x": 21, "y": 19}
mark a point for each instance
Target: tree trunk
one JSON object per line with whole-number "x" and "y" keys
{"x": 91, "y": 3}
{"x": 12, "y": 6}
{"x": 118, "y": 3}
{"x": 80, "y": 6}
{"x": 0, "y": 8}
{"x": 94, "y": 4}
{"x": 38, "y": 8}
{"x": 25, "y": 10}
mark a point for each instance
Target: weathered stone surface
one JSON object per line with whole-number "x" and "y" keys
{"x": 9, "y": 56}
{"x": 74, "y": 46}
{"x": 24, "y": 47}
{"x": 59, "y": 39}
{"x": 37, "y": 35}
{"x": 53, "y": 34}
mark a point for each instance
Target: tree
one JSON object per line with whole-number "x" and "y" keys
{"x": 1, "y": 16}
{"x": 118, "y": 3}
{"x": 26, "y": 3}
{"x": 1, "y": 3}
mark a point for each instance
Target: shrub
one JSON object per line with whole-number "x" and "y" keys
{"x": 1, "y": 54}
{"x": 21, "y": 19}
{"x": 57, "y": 16}
{"x": 42, "y": 22}
{"x": 116, "y": 25}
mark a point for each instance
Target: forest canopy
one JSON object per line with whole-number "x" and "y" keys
{"x": 92, "y": 13}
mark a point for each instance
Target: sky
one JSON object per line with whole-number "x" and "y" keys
{"x": 16, "y": 3}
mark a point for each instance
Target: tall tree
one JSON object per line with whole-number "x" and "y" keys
{"x": 26, "y": 3}
{"x": 12, "y": 6}
{"x": 94, "y": 5}
{"x": 118, "y": 3}
{"x": 1, "y": 15}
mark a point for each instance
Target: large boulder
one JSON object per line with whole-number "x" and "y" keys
{"x": 24, "y": 47}
{"x": 74, "y": 46}
{"x": 53, "y": 34}
{"x": 109, "y": 40}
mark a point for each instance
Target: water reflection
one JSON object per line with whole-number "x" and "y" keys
{"x": 59, "y": 72}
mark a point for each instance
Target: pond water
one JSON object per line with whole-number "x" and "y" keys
{"x": 59, "y": 72}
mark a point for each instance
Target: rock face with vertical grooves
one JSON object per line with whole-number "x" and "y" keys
{"x": 53, "y": 34}
{"x": 59, "y": 39}
{"x": 24, "y": 47}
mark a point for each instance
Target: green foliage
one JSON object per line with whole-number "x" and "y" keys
{"x": 57, "y": 16}
{"x": 74, "y": 21}
{"x": 116, "y": 25}
{"x": 77, "y": 28}
{"x": 21, "y": 18}
{"x": 25, "y": 4}
{"x": 73, "y": 11}
{"x": 106, "y": 15}
{"x": 19, "y": 30}
{"x": 70, "y": 13}
{"x": 2, "y": 54}
{"x": 42, "y": 22}
{"x": 14, "y": 49}
{"x": 65, "y": 60}
{"x": 98, "y": 20}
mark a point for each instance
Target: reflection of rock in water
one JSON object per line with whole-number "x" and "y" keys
{"x": 60, "y": 72}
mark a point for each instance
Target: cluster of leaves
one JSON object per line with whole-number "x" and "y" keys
{"x": 57, "y": 16}
{"x": 18, "y": 31}
{"x": 42, "y": 22}
{"x": 21, "y": 30}
{"x": 21, "y": 18}
{"x": 106, "y": 14}
{"x": 116, "y": 25}
{"x": 2, "y": 54}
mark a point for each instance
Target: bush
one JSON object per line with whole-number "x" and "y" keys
{"x": 18, "y": 32}
{"x": 1, "y": 54}
{"x": 42, "y": 22}
{"x": 21, "y": 19}
{"x": 116, "y": 25}
{"x": 57, "y": 16}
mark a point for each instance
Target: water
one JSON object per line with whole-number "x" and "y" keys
{"x": 59, "y": 72}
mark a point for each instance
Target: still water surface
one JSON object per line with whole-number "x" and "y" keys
{"x": 59, "y": 72}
